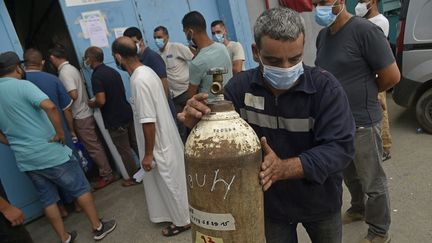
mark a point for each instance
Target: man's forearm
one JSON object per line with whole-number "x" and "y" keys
{"x": 3, "y": 139}
{"x": 149, "y": 137}
{"x": 165, "y": 86}
{"x": 53, "y": 115}
{"x": 69, "y": 119}
{"x": 3, "y": 205}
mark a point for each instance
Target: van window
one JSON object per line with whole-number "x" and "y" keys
{"x": 423, "y": 29}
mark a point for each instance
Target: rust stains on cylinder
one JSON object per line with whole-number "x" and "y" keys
{"x": 223, "y": 158}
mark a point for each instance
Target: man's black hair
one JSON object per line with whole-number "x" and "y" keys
{"x": 194, "y": 20}
{"x": 133, "y": 32}
{"x": 118, "y": 47}
{"x": 161, "y": 28}
{"x": 6, "y": 70}
{"x": 216, "y": 22}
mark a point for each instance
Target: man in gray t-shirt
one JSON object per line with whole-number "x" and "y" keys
{"x": 357, "y": 53}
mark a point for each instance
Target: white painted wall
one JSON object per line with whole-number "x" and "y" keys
{"x": 256, "y": 7}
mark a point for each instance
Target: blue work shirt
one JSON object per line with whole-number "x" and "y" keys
{"x": 52, "y": 86}
{"x": 27, "y": 126}
{"x": 313, "y": 121}
{"x": 154, "y": 61}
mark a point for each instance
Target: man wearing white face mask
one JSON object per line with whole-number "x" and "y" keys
{"x": 357, "y": 53}
{"x": 369, "y": 10}
{"x": 235, "y": 49}
{"x": 303, "y": 118}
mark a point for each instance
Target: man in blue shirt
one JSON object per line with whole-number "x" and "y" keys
{"x": 31, "y": 126}
{"x": 52, "y": 87}
{"x": 304, "y": 120}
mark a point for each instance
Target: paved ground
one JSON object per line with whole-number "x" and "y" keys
{"x": 410, "y": 183}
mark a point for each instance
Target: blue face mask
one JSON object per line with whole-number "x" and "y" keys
{"x": 159, "y": 42}
{"x": 191, "y": 41}
{"x": 282, "y": 78}
{"x": 324, "y": 15}
{"x": 218, "y": 38}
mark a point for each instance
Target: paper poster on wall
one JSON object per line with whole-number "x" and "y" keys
{"x": 71, "y": 3}
{"x": 118, "y": 32}
{"x": 84, "y": 28}
{"x": 95, "y": 27}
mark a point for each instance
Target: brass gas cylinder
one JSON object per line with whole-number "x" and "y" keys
{"x": 223, "y": 158}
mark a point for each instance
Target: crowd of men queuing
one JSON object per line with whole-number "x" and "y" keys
{"x": 330, "y": 129}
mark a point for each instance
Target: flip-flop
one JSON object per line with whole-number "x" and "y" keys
{"x": 174, "y": 230}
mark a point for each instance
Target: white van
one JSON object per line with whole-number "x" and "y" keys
{"x": 414, "y": 57}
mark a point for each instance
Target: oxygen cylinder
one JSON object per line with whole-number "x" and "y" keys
{"x": 223, "y": 158}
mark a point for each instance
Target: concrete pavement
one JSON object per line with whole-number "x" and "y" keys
{"x": 410, "y": 183}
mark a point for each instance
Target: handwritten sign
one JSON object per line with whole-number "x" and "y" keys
{"x": 202, "y": 238}
{"x": 212, "y": 221}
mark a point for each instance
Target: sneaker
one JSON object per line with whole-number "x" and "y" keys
{"x": 351, "y": 216}
{"x": 107, "y": 227}
{"x": 376, "y": 239}
{"x": 386, "y": 156}
{"x": 103, "y": 182}
{"x": 73, "y": 236}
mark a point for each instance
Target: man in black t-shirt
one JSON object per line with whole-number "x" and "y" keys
{"x": 117, "y": 114}
{"x": 357, "y": 53}
{"x": 11, "y": 220}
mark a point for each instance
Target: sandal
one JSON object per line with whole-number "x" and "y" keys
{"x": 129, "y": 182}
{"x": 174, "y": 230}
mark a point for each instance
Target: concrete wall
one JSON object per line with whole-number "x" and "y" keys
{"x": 256, "y": 7}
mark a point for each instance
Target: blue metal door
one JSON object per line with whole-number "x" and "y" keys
{"x": 17, "y": 185}
{"x": 116, "y": 14}
{"x": 170, "y": 14}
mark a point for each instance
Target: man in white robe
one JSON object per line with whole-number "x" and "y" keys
{"x": 158, "y": 140}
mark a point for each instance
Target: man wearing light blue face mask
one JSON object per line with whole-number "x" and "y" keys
{"x": 358, "y": 54}
{"x": 235, "y": 49}
{"x": 210, "y": 54}
{"x": 303, "y": 118}
{"x": 176, "y": 57}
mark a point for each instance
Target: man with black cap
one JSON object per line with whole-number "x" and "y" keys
{"x": 32, "y": 128}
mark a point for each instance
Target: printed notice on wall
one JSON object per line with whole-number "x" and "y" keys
{"x": 118, "y": 32}
{"x": 95, "y": 28}
{"x": 71, "y": 3}
{"x": 212, "y": 221}
{"x": 202, "y": 238}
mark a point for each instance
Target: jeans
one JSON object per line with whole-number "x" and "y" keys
{"x": 324, "y": 231}
{"x": 367, "y": 182}
{"x": 68, "y": 176}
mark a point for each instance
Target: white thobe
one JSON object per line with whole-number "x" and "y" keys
{"x": 165, "y": 185}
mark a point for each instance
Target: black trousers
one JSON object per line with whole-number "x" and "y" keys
{"x": 9, "y": 234}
